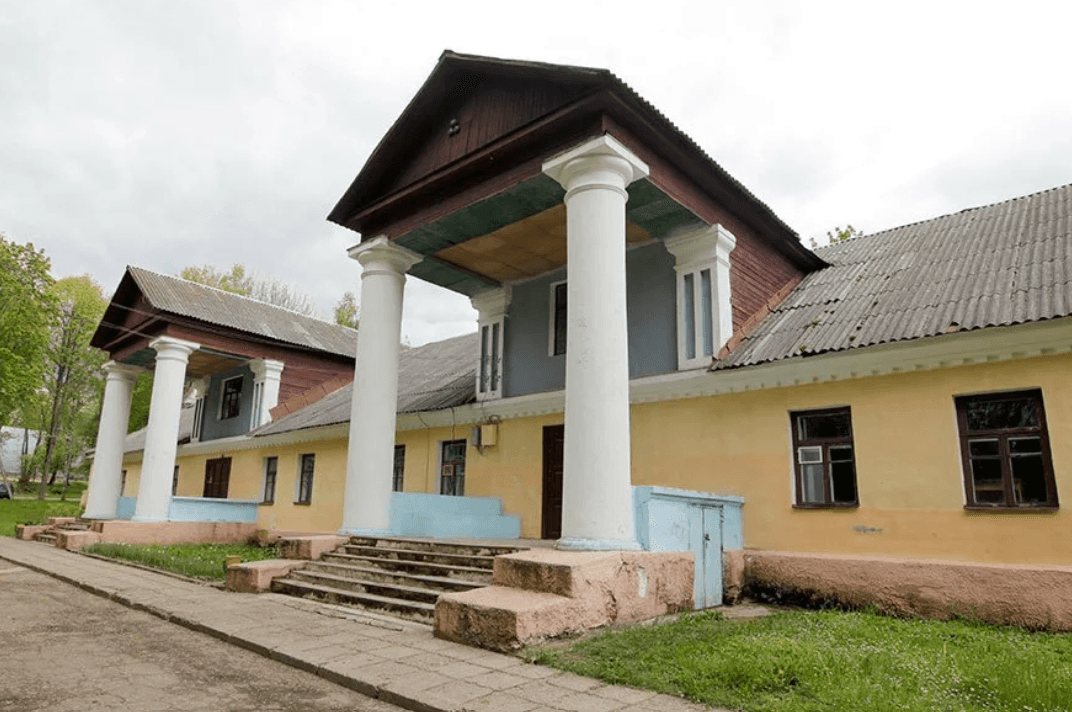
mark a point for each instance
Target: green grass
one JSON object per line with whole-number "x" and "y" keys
{"x": 196, "y": 560}
{"x": 33, "y": 511}
{"x": 833, "y": 660}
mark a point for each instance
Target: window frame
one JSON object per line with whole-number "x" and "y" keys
{"x": 300, "y": 488}
{"x": 1003, "y": 435}
{"x": 269, "y": 476}
{"x": 826, "y": 444}
{"x": 552, "y": 318}
{"x": 398, "y": 469}
{"x": 174, "y": 480}
{"x": 443, "y": 462}
{"x": 237, "y": 398}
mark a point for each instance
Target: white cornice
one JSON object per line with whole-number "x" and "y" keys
{"x": 949, "y": 351}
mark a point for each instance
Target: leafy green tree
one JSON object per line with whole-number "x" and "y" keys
{"x": 25, "y": 312}
{"x": 73, "y": 382}
{"x": 263, "y": 289}
{"x": 347, "y": 312}
{"x": 838, "y": 234}
{"x": 139, "y": 401}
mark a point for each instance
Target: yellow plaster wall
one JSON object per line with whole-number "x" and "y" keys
{"x": 908, "y": 464}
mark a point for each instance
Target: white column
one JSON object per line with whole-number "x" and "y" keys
{"x": 370, "y": 455}
{"x": 597, "y": 497}
{"x": 266, "y": 378}
{"x": 162, "y": 435}
{"x": 103, "y": 497}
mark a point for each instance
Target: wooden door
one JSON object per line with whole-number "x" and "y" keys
{"x": 217, "y": 477}
{"x": 553, "y": 438}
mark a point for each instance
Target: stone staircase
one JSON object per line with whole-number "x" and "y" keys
{"x": 398, "y": 577}
{"x": 48, "y": 536}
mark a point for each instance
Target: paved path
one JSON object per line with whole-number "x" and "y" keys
{"x": 65, "y": 650}
{"x": 399, "y": 663}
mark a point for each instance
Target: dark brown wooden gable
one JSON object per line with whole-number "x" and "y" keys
{"x": 490, "y": 108}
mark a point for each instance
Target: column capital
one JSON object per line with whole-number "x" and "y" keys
{"x": 117, "y": 370}
{"x": 703, "y": 245}
{"x": 170, "y": 347}
{"x": 492, "y": 304}
{"x": 266, "y": 368}
{"x": 380, "y": 255}
{"x": 602, "y": 162}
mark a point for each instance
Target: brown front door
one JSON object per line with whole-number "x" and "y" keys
{"x": 553, "y": 437}
{"x": 217, "y": 477}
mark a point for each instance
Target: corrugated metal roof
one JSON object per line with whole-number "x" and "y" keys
{"x": 208, "y": 304}
{"x": 430, "y": 377}
{"x": 997, "y": 265}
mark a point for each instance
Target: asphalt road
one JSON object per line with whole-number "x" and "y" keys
{"x": 62, "y": 649}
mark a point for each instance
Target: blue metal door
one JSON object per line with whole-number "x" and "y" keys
{"x": 705, "y": 541}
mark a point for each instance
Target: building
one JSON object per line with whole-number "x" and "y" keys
{"x": 901, "y": 394}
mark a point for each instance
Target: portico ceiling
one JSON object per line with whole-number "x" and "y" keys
{"x": 203, "y": 362}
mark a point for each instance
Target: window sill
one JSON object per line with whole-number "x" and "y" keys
{"x": 302, "y": 504}
{"x": 836, "y": 505}
{"x": 1005, "y": 509}
{"x": 267, "y": 502}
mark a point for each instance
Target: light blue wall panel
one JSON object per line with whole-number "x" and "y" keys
{"x": 214, "y": 428}
{"x": 433, "y": 515}
{"x": 125, "y": 508}
{"x": 651, "y": 312}
{"x": 207, "y": 509}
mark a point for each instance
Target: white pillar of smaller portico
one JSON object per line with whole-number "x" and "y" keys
{"x": 103, "y": 496}
{"x": 267, "y": 375}
{"x": 162, "y": 434}
{"x": 370, "y": 454}
{"x": 597, "y": 496}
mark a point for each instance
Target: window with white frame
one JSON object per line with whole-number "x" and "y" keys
{"x": 258, "y": 402}
{"x": 271, "y": 467}
{"x": 452, "y": 468}
{"x": 557, "y": 323}
{"x": 704, "y": 310}
{"x": 230, "y": 398}
{"x": 304, "y": 493}
{"x": 491, "y": 307}
{"x": 199, "y": 416}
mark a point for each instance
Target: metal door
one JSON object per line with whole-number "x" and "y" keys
{"x": 705, "y": 541}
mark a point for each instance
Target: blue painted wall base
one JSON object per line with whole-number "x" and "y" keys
{"x": 442, "y": 516}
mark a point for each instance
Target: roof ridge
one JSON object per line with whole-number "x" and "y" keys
{"x": 239, "y": 296}
{"x": 834, "y": 245}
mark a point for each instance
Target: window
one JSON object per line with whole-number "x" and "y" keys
{"x": 199, "y": 416}
{"x": 217, "y": 478}
{"x": 558, "y": 319}
{"x": 704, "y": 309}
{"x": 824, "y": 461}
{"x": 491, "y": 307}
{"x": 122, "y": 482}
{"x": 1006, "y": 450}
{"x": 304, "y": 495}
{"x": 271, "y": 464}
{"x": 399, "y": 469}
{"x": 452, "y": 468}
{"x": 175, "y": 481}
{"x": 230, "y": 398}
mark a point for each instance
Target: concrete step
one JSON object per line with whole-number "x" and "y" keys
{"x": 464, "y": 549}
{"x": 386, "y": 589}
{"x": 74, "y": 527}
{"x": 427, "y": 556}
{"x": 411, "y": 610}
{"x": 370, "y": 573}
{"x": 424, "y": 568}
{"x": 45, "y": 537}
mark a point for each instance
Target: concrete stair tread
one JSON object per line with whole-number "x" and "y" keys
{"x": 435, "y": 582}
{"x": 416, "y": 554}
{"x": 411, "y": 590}
{"x": 434, "y": 545}
{"x": 426, "y": 609}
{"x": 408, "y": 562}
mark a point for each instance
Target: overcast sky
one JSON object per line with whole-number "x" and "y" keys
{"x": 163, "y": 134}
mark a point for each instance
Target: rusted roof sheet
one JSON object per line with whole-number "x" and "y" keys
{"x": 214, "y": 306}
{"x": 431, "y": 377}
{"x": 997, "y": 265}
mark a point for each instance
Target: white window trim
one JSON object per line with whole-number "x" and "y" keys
{"x": 695, "y": 251}
{"x": 491, "y": 307}
{"x": 264, "y": 478}
{"x": 439, "y": 463}
{"x": 551, "y": 316}
{"x": 297, "y": 478}
{"x": 223, "y": 389}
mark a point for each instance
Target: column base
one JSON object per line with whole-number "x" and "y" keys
{"x": 597, "y": 545}
{"x": 360, "y": 531}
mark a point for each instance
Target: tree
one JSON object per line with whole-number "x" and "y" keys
{"x": 25, "y": 311}
{"x": 73, "y": 383}
{"x": 838, "y": 234}
{"x": 263, "y": 289}
{"x": 347, "y": 312}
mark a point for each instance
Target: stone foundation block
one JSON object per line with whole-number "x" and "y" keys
{"x": 1036, "y": 597}
{"x": 28, "y": 531}
{"x": 309, "y": 547}
{"x": 126, "y": 532}
{"x": 256, "y": 576}
{"x": 75, "y": 541}
{"x": 733, "y": 582}
{"x": 544, "y": 593}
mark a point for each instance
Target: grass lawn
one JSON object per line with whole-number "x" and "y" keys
{"x": 33, "y": 511}
{"x": 833, "y": 660}
{"x": 196, "y": 560}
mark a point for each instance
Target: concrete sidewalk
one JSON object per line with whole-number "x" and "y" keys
{"x": 398, "y": 662}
